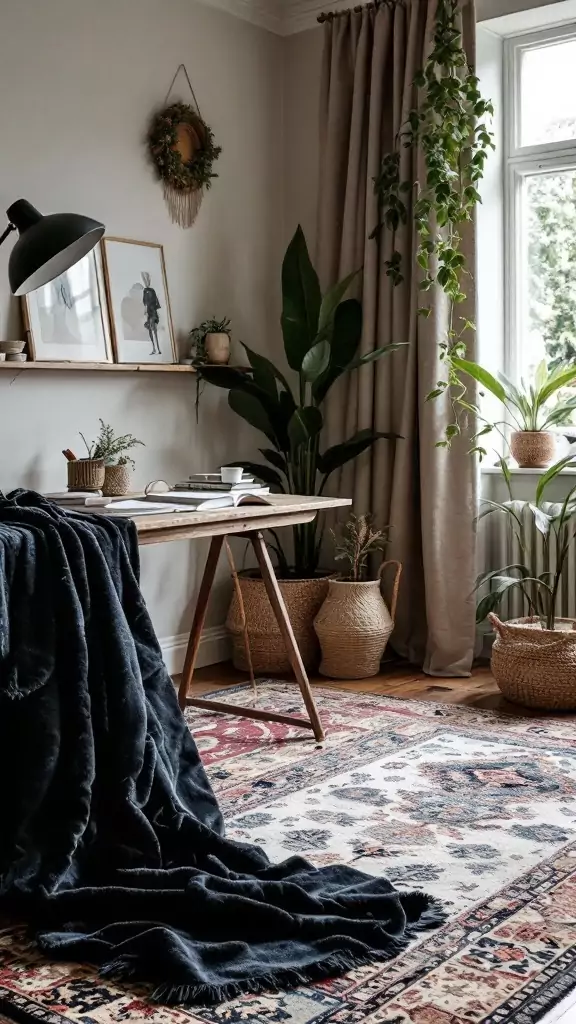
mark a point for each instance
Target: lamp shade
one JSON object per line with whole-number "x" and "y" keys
{"x": 48, "y": 245}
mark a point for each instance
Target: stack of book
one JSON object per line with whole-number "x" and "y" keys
{"x": 212, "y": 482}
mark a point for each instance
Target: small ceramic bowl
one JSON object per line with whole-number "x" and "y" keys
{"x": 16, "y": 357}
{"x": 12, "y": 346}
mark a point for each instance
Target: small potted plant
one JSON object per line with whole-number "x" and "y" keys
{"x": 354, "y": 623}
{"x": 530, "y": 408}
{"x": 111, "y": 450}
{"x": 211, "y": 342}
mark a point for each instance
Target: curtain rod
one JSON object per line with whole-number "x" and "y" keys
{"x": 374, "y": 5}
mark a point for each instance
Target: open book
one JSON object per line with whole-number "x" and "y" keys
{"x": 184, "y": 501}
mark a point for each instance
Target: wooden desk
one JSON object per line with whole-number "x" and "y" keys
{"x": 249, "y": 521}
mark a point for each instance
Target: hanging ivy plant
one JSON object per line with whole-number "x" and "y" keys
{"x": 449, "y": 125}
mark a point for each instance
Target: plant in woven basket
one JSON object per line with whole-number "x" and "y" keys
{"x": 556, "y": 521}
{"x": 111, "y": 447}
{"x": 321, "y": 340}
{"x": 357, "y": 540}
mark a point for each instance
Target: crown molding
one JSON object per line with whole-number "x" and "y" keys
{"x": 282, "y": 17}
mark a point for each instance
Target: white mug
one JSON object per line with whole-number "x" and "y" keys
{"x": 231, "y": 474}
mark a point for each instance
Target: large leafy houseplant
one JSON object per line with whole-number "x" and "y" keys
{"x": 321, "y": 336}
{"x": 556, "y": 521}
{"x": 449, "y": 124}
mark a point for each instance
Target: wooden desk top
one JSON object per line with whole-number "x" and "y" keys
{"x": 286, "y": 510}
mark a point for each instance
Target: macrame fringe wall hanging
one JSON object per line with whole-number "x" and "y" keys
{"x": 183, "y": 151}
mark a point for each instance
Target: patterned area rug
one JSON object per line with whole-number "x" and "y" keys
{"x": 477, "y": 808}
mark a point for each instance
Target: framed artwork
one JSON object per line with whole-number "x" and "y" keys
{"x": 66, "y": 320}
{"x": 138, "y": 301}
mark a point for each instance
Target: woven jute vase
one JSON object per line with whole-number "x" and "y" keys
{"x": 533, "y": 449}
{"x": 535, "y": 666}
{"x": 354, "y": 625}
{"x": 117, "y": 480}
{"x": 303, "y": 599}
{"x": 85, "y": 474}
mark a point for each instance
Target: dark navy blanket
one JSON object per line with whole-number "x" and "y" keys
{"x": 112, "y": 845}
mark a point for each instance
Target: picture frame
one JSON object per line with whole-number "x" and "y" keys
{"x": 138, "y": 301}
{"x": 66, "y": 320}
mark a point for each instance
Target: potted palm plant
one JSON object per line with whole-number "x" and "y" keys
{"x": 354, "y": 623}
{"x": 534, "y": 658}
{"x": 531, "y": 408}
{"x": 321, "y": 335}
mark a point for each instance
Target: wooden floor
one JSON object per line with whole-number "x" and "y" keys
{"x": 397, "y": 679}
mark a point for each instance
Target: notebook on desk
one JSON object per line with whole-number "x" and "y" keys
{"x": 183, "y": 501}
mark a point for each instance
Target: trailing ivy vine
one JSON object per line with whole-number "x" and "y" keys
{"x": 449, "y": 124}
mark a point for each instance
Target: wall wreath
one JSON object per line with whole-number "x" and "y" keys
{"x": 183, "y": 151}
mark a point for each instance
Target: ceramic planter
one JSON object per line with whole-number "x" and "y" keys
{"x": 217, "y": 348}
{"x": 353, "y": 626}
{"x": 533, "y": 449}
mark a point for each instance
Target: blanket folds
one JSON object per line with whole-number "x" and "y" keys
{"x": 112, "y": 844}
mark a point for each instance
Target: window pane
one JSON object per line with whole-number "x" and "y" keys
{"x": 548, "y": 269}
{"x": 547, "y": 94}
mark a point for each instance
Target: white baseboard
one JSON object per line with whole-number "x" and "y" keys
{"x": 214, "y": 647}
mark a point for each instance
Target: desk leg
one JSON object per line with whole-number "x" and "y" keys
{"x": 199, "y": 618}
{"x": 285, "y": 626}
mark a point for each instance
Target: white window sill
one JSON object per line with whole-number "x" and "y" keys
{"x": 517, "y": 471}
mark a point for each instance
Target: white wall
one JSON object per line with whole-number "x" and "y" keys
{"x": 78, "y": 83}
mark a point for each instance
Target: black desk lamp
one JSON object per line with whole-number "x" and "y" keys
{"x": 47, "y": 246}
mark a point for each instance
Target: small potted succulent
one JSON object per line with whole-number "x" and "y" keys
{"x": 211, "y": 342}
{"x": 354, "y": 623}
{"x": 111, "y": 450}
{"x": 534, "y": 409}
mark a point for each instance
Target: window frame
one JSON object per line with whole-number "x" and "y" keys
{"x": 519, "y": 162}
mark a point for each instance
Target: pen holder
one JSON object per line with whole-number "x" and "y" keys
{"x": 85, "y": 474}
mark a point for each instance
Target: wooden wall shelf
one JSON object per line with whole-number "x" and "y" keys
{"x": 107, "y": 367}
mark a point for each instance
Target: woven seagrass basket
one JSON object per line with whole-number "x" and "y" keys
{"x": 117, "y": 480}
{"x": 85, "y": 474}
{"x": 535, "y": 666}
{"x": 354, "y": 626}
{"x": 303, "y": 598}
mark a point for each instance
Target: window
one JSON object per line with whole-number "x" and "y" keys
{"x": 540, "y": 199}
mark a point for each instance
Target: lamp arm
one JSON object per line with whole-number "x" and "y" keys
{"x": 4, "y": 236}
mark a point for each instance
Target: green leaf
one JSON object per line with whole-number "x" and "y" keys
{"x": 496, "y": 595}
{"x": 485, "y": 576}
{"x": 339, "y": 454}
{"x": 332, "y": 300}
{"x": 561, "y": 381}
{"x": 542, "y": 520}
{"x": 265, "y": 373}
{"x": 275, "y": 458}
{"x": 263, "y": 473}
{"x": 553, "y": 472}
{"x": 481, "y": 375}
{"x": 301, "y": 300}
{"x": 377, "y": 353}
{"x": 251, "y": 409}
{"x": 305, "y": 424}
{"x": 344, "y": 344}
{"x": 226, "y": 377}
{"x": 316, "y": 361}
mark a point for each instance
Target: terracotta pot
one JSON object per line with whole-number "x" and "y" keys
{"x": 303, "y": 600}
{"x": 117, "y": 480}
{"x": 85, "y": 474}
{"x": 353, "y": 626}
{"x": 533, "y": 449}
{"x": 217, "y": 347}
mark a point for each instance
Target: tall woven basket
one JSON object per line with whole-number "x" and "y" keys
{"x": 535, "y": 666}
{"x": 303, "y": 598}
{"x": 354, "y": 626}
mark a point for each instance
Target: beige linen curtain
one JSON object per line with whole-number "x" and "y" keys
{"x": 426, "y": 494}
